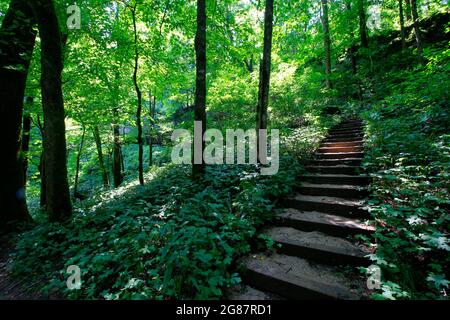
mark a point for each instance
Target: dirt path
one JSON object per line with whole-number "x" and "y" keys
{"x": 12, "y": 288}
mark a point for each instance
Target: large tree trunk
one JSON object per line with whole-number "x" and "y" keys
{"x": 117, "y": 172}
{"x": 402, "y": 23}
{"x": 77, "y": 169}
{"x": 198, "y": 165}
{"x": 417, "y": 33}
{"x": 139, "y": 98}
{"x": 101, "y": 162}
{"x": 327, "y": 43}
{"x": 57, "y": 196}
{"x": 17, "y": 40}
{"x": 362, "y": 23}
{"x": 264, "y": 81}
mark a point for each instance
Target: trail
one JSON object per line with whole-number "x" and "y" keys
{"x": 318, "y": 258}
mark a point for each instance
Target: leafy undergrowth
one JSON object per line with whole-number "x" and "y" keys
{"x": 408, "y": 153}
{"x": 172, "y": 238}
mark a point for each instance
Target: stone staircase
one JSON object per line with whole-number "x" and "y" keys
{"x": 316, "y": 258}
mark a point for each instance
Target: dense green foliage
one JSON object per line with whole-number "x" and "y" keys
{"x": 408, "y": 154}
{"x": 176, "y": 237}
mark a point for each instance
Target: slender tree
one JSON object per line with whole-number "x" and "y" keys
{"x": 116, "y": 166}
{"x": 57, "y": 195}
{"x": 26, "y": 128}
{"x": 351, "y": 50}
{"x": 151, "y": 127}
{"x": 17, "y": 40}
{"x": 408, "y": 10}
{"x": 101, "y": 161}
{"x": 139, "y": 97}
{"x": 402, "y": 23}
{"x": 76, "y": 194}
{"x": 362, "y": 23}
{"x": 200, "y": 85}
{"x": 327, "y": 43}
{"x": 417, "y": 33}
{"x": 264, "y": 80}
{"x": 41, "y": 167}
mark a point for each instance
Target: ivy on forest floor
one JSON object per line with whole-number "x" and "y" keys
{"x": 408, "y": 154}
{"x": 172, "y": 238}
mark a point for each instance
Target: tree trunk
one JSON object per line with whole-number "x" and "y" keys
{"x": 57, "y": 196}
{"x": 77, "y": 169}
{"x": 402, "y": 23}
{"x": 417, "y": 33}
{"x": 198, "y": 167}
{"x": 101, "y": 162}
{"x": 122, "y": 162}
{"x": 41, "y": 168}
{"x": 151, "y": 127}
{"x": 139, "y": 98}
{"x": 249, "y": 65}
{"x": 327, "y": 43}
{"x": 264, "y": 80}
{"x": 17, "y": 40}
{"x": 408, "y": 10}
{"x": 117, "y": 172}
{"x": 362, "y": 23}
{"x": 25, "y": 145}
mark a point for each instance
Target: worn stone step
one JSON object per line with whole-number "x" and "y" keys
{"x": 327, "y": 223}
{"x": 344, "y": 123}
{"x": 335, "y": 162}
{"x": 334, "y": 149}
{"x": 333, "y": 190}
{"x": 319, "y": 178}
{"x": 343, "y": 144}
{"x": 338, "y": 169}
{"x": 318, "y": 246}
{"x": 340, "y": 155}
{"x": 331, "y": 140}
{"x": 333, "y": 205}
{"x": 245, "y": 292}
{"x": 345, "y": 131}
{"x": 348, "y": 125}
{"x": 296, "y": 278}
{"x": 345, "y": 136}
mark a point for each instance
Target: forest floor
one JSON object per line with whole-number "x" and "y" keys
{"x": 11, "y": 288}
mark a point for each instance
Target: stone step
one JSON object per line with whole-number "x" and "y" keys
{"x": 335, "y": 162}
{"x": 327, "y": 223}
{"x": 296, "y": 278}
{"x": 245, "y": 292}
{"x": 352, "y": 121}
{"x": 343, "y": 139}
{"x": 345, "y": 130}
{"x": 340, "y": 155}
{"x": 348, "y": 125}
{"x": 333, "y": 205}
{"x": 339, "y": 169}
{"x": 318, "y": 246}
{"x": 338, "y": 179}
{"x": 340, "y": 149}
{"x": 345, "y": 136}
{"x": 333, "y": 190}
{"x": 343, "y": 144}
